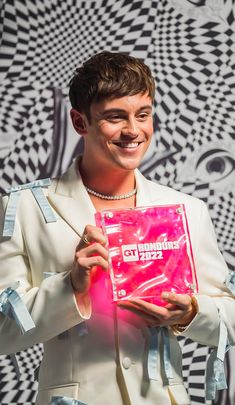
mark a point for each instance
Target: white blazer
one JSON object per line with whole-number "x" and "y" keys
{"x": 101, "y": 361}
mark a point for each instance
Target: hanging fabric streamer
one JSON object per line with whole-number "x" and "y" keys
{"x": 12, "y": 306}
{"x": 153, "y": 353}
{"x": 15, "y": 192}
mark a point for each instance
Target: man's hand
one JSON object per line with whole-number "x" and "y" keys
{"x": 180, "y": 310}
{"x": 90, "y": 252}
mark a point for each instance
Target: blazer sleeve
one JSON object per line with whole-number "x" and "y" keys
{"x": 52, "y": 305}
{"x": 215, "y": 300}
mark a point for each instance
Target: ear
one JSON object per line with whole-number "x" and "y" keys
{"x": 79, "y": 121}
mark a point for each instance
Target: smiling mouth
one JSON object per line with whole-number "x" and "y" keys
{"x": 127, "y": 145}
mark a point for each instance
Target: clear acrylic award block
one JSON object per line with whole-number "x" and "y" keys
{"x": 149, "y": 252}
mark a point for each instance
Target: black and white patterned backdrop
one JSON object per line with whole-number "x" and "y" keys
{"x": 190, "y": 47}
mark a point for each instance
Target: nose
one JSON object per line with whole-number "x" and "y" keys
{"x": 130, "y": 128}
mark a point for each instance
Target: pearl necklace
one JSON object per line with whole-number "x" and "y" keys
{"x": 111, "y": 197}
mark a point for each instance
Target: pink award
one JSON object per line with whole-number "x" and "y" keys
{"x": 149, "y": 252}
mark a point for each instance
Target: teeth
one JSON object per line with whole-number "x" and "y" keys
{"x": 130, "y": 145}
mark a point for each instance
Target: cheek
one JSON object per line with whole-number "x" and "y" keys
{"x": 147, "y": 127}
{"x": 110, "y": 131}
{"x": 151, "y": 126}
{"x": 149, "y": 131}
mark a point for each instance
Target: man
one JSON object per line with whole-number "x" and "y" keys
{"x": 95, "y": 352}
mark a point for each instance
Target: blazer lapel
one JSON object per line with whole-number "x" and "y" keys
{"x": 68, "y": 196}
{"x": 145, "y": 194}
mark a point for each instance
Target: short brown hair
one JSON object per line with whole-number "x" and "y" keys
{"x": 109, "y": 75}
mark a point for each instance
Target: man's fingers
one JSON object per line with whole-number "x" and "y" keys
{"x": 181, "y": 300}
{"x": 93, "y": 255}
{"x": 150, "y": 320}
{"x": 141, "y": 306}
{"x": 92, "y": 234}
{"x": 94, "y": 249}
{"x": 89, "y": 262}
{"x": 156, "y": 314}
{"x": 90, "y": 253}
{"x": 147, "y": 307}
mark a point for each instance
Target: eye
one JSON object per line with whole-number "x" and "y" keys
{"x": 143, "y": 116}
{"x": 114, "y": 117}
{"x": 214, "y": 165}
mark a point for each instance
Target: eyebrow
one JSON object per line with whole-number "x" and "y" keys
{"x": 120, "y": 110}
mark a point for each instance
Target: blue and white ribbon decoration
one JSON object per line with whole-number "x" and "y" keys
{"x": 47, "y": 274}
{"x": 230, "y": 281}
{"x": 35, "y": 187}
{"x": 59, "y": 400}
{"x": 153, "y": 353}
{"x": 10, "y": 214}
{"x": 12, "y": 306}
{"x": 215, "y": 373}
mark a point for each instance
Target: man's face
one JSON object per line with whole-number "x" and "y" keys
{"x": 119, "y": 132}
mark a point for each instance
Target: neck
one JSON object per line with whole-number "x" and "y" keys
{"x": 111, "y": 182}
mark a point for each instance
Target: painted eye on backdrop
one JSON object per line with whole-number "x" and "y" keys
{"x": 198, "y": 3}
{"x": 214, "y": 165}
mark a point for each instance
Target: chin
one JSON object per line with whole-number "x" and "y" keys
{"x": 130, "y": 165}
